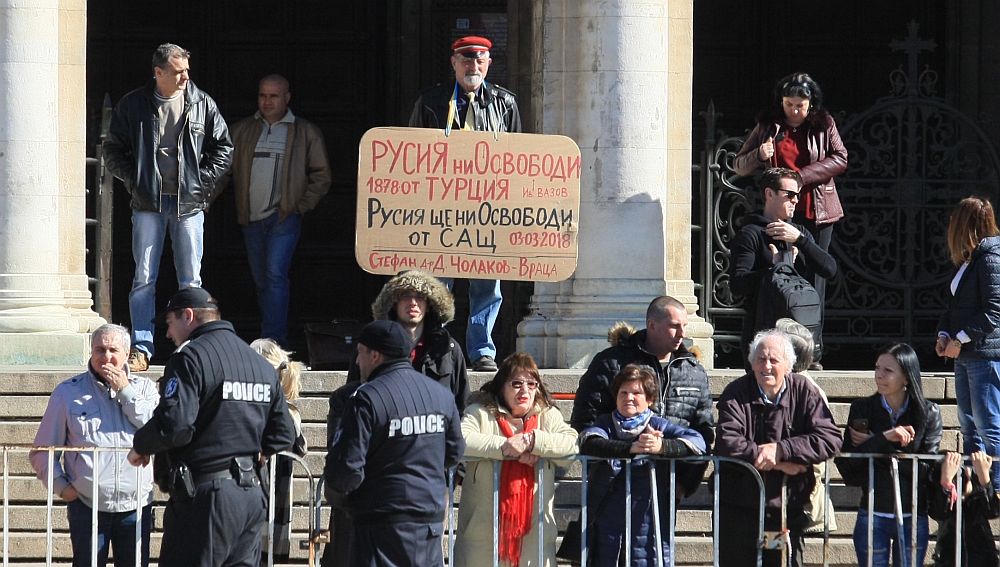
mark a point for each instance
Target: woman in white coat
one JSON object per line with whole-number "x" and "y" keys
{"x": 513, "y": 420}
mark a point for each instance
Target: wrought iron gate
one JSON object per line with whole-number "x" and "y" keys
{"x": 912, "y": 157}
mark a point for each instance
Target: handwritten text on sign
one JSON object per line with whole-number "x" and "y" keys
{"x": 468, "y": 205}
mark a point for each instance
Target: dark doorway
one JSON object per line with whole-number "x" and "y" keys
{"x": 352, "y": 66}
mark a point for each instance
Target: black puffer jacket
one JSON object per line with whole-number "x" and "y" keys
{"x": 975, "y": 305}
{"x": 203, "y": 154}
{"x": 685, "y": 398}
{"x": 497, "y": 110}
{"x": 926, "y": 442}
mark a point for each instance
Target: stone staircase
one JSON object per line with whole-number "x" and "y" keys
{"x": 24, "y": 394}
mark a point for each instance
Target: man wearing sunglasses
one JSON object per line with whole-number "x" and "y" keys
{"x": 769, "y": 236}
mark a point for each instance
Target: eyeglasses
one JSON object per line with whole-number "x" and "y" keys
{"x": 790, "y": 195}
{"x": 518, "y": 384}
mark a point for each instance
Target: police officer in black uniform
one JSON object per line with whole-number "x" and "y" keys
{"x": 222, "y": 410}
{"x": 400, "y": 435}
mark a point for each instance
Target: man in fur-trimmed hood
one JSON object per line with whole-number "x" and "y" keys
{"x": 423, "y": 305}
{"x": 685, "y": 398}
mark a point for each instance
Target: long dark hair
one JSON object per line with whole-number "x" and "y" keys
{"x": 511, "y": 366}
{"x": 801, "y": 85}
{"x": 906, "y": 357}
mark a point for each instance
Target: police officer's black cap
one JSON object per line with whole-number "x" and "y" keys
{"x": 190, "y": 297}
{"x": 388, "y": 338}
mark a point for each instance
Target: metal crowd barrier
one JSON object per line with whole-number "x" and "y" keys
{"x": 541, "y": 505}
{"x": 314, "y": 512}
{"x": 894, "y": 459}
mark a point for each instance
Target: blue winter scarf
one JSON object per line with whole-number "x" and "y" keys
{"x": 628, "y": 428}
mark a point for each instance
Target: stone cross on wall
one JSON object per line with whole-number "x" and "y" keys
{"x": 913, "y": 46}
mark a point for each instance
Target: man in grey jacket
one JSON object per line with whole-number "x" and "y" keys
{"x": 102, "y": 407}
{"x": 169, "y": 145}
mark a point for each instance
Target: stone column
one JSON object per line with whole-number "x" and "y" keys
{"x": 44, "y": 300}
{"x": 616, "y": 77}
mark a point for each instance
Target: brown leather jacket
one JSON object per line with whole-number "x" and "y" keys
{"x": 828, "y": 159}
{"x": 306, "y": 176}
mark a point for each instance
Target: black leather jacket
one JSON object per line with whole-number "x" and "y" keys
{"x": 497, "y": 109}
{"x": 927, "y": 441}
{"x": 203, "y": 155}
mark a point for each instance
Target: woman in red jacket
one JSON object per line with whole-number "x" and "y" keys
{"x": 797, "y": 133}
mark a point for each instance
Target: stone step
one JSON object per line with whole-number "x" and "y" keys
{"x": 689, "y": 550}
{"x": 838, "y": 384}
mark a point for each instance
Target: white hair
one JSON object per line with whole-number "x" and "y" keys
{"x": 786, "y": 345}
{"x": 120, "y": 334}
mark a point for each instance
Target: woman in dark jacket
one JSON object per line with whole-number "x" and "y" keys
{"x": 632, "y": 430}
{"x": 969, "y": 331}
{"x": 797, "y": 133}
{"x": 895, "y": 419}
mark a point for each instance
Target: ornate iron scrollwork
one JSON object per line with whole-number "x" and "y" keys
{"x": 912, "y": 157}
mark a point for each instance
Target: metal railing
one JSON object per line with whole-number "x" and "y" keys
{"x": 141, "y": 496}
{"x": 894, "y": 459}
{"x": 541, "y": 504}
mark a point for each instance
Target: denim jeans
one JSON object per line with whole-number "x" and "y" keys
{"x": 484, "y": 307}
{"x": 114, "y": 529}
{"x": 884, "y": 535}
{"x": 977, "y": 391}
{"x": 270, "y": 245}
{"x": 148, "y": 232}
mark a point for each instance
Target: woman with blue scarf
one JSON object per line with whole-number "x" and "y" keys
{"x": 630, "y": 432}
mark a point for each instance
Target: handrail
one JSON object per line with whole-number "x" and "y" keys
{"x": 654, "y": 495}
{"x": 314, "y": 501}
{"x": 141, "y": 495}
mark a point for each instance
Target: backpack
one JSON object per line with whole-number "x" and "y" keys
{"x": 785, "y": 293}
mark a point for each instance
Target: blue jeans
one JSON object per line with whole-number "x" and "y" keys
{"x": 977, "y": 391}
{"x": 270, "y": 245}
{"x": 114, "y": 529}
{"x": 148, "y": 232}
{"x": 884, "y": 535}
{"x": 484, "y": 307}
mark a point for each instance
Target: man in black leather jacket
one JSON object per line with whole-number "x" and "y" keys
{"x": 168, "y": 144}
{"x": 683, "y": 383}
{"x": 494, "y": 109}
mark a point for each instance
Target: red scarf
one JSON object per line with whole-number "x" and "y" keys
{"x": 517, "y": 496}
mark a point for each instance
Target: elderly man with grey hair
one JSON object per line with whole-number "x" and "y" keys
{"x": 102, "y": 407}
{"x": 777, "y": 422}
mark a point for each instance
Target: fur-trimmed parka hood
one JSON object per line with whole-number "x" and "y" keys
{"x": 624, "y": 334}
{"x": 440, "y": 302}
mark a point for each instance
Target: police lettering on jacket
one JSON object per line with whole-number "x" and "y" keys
{"x": 416, "y": 425}
{"x": 246, "y": 391}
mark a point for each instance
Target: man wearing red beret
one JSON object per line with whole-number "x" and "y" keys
{"x": 470, "y": 103}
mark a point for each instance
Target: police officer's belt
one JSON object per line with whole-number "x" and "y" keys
{"x": 396, "y": 517}
{"x": 210, "y": 476}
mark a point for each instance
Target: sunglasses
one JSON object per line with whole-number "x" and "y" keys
{"x": 518, "y": 384}
{"x": 791, "y": 195}
{"x": 793, "y": 89}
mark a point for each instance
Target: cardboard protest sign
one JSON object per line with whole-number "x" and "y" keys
{"x": 469, "y": 205}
